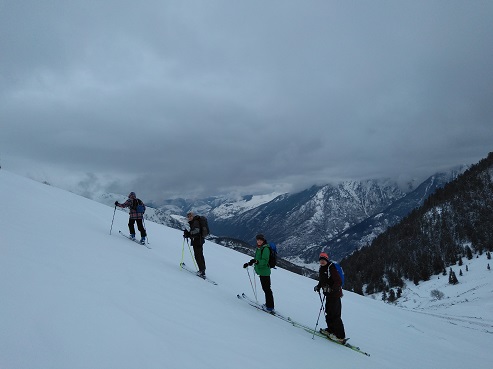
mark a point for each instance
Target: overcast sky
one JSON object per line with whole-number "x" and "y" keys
{"x": 197, "y": 98}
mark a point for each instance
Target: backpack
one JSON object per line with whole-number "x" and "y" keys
{"x": 204, "y": 226}
{"x": 138, "y": 206}
{"x": 272, "y": 255}
{"x": 339, "y": 270}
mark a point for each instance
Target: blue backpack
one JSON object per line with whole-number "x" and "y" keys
{"x": 339, "y": 270}
{"x": 138, "y": 206}
{"x": 272, "y": 255}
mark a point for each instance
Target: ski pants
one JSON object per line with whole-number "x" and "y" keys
{"x": 140, "y": 226}
{"x": 333, "y": 309}
{"x": 269, "y": 297}
{"x": 198, "y": 251}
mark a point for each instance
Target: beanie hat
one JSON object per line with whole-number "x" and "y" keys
{"x": 323, "y": 256}
{"x": 131, "y": 195}
{"x": 260, "y": 237}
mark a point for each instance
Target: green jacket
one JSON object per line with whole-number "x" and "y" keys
{"x": 262, "y": 256}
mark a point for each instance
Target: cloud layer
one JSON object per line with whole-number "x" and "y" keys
{"x": 196, "y": 98}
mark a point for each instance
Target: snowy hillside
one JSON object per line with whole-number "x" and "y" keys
{"x": 471, "y": 300}
{"x": 74, "y": 296}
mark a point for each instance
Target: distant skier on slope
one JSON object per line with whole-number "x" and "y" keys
{"x": 330, "y": 283}
{"x": 137, "y": 209}
{"x": 262, "y": 268}
{"x": 197, "y": 241}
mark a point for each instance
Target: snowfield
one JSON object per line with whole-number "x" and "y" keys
{"x": 74, "y": 296}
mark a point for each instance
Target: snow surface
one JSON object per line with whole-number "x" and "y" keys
{"x": 74, "y": 296}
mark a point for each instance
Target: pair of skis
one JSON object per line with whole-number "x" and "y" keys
{"x": 294, "y": 323}
{"x": 182, "y": 265}
{"x": 194, "y": 272}
{"x": 135, "y": 240}
{"x": 277, "y": 314}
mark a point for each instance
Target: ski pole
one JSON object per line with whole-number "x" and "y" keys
{"x": 250, "y": 278}
{"x": 113, "y": 220}
{"x": 193, "y": 258}
{"x": 321, "y": 307}
{"x": 322, "y": 301}
{"x": 147, "y": 234}
{"x": 255, "y": 285}
{"x": 182, "y": 252}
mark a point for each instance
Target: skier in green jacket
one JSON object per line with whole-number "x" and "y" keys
{"x": 261, "y": 262}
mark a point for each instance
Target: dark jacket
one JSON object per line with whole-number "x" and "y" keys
{"x": 328, "y": 276}
{"x": 195, "y": 232}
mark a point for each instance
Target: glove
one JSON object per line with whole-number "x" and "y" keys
{"x": 253, "y": 261}
{"x": 116, "y": 203}
{"x": 245, "y": 265}
{"x": 316, "y": 288}
{"x": 186, "y": 234}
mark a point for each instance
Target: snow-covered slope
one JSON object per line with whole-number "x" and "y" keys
{"x": 74, "y": 296}
{"x": 469, "y": 303}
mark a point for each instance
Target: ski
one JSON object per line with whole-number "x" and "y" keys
{"x": 258, "y": 306}
{"x": 135, "y": 240}
{"x": 294, "y": 323}
{"x": 185, "y": 267}
{"x": 254, "y": 304}
{"x": 345, "y": 343}
{"x": 275, "y": 313}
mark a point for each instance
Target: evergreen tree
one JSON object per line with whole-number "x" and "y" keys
{"x": 452, "y": 278}
{"x": 392, "y": 295}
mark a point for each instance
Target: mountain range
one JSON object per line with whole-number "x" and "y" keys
{"x": 339, "y": 218}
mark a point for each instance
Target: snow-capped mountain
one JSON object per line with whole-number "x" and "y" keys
{"x": 338, "y": 217}
{"x": 311, "y": 217}
{"x": 363, "y": 233}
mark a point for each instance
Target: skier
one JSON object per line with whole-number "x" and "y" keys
{"x": 330, "y": 283}
{"x": 261, "y": 262}
{"x": 197, "y": 241}
{"x": 134, "y": 216}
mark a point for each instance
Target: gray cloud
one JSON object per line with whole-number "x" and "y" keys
{"x": 195, "y": 98}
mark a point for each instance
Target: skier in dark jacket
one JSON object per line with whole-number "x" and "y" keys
{"x": 329, "y": 281}
{"x": 262, "y": 268}
{"x": 197, "y": 241}
{"x": 134, "y": 216}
